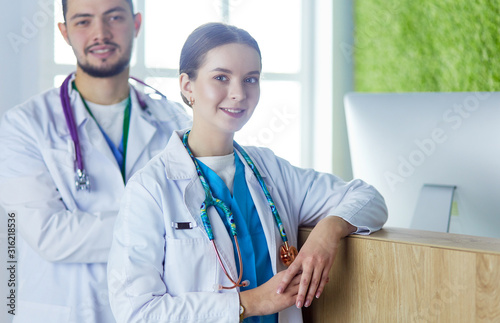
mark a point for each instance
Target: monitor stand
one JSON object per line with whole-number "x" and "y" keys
{"x": 433, "y": 209}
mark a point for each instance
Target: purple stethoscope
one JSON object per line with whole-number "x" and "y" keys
{"x": 82, "y": 181}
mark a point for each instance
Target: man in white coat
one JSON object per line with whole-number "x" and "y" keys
{"x": 64, "y": 231}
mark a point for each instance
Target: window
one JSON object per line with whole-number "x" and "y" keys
{"x": 288, "y": 38}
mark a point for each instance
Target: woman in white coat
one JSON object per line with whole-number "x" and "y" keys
{"x": 175, "y": 257}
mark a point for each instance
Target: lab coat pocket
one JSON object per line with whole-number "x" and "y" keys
{"x": 31, "y": 312}
{"x": 190, "y": 265}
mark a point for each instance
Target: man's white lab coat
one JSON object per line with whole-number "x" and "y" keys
{"x": 64, "y": 235}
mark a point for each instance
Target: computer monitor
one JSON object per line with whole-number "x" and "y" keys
{"x": 435, "y": 157}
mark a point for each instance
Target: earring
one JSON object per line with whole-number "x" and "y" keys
{"x": 191, "y": 101}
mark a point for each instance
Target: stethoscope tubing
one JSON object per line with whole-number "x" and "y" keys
{"x": 70, "y": 121}
{"x": 287, "y": 253}
{"x": 82, "y": 181}
{"x": 237, "y": 283}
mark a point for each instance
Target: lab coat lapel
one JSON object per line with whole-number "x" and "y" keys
{"x": 193, "y": 198}
{"x": 265, "y": 215}
{"x": 224, "y": 243}
{"x": 141, "y": 131}
{"x": 179, "y": 166}
{"x": 177, "y": 169}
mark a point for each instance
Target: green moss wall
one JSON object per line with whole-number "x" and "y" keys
{"x": 424, "y": 45}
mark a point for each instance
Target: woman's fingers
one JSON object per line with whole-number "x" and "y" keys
{"x": 288, "y": 276}
{"x": 316, "y": 286}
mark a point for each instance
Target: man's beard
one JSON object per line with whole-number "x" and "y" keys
{"x": 104, "y": 72}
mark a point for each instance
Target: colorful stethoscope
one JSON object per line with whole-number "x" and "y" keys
{"x": 287, "y": 253}
{"x": 82, "y": 181}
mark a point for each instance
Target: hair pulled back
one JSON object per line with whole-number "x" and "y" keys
{"x": 207, "y": 37}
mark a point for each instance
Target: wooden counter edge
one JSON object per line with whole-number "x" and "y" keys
{"x": 426, "y": 238}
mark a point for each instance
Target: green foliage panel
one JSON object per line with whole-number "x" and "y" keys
{"x": 418, "y": 46}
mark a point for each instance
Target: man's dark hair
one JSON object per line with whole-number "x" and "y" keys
{"x": 65, "y": 7}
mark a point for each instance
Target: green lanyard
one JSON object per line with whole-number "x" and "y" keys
{"x": 126, "y": 127}
{"x": 120, "y": 155}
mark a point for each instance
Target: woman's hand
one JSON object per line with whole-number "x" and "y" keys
{"x": 315, "y": 259}
{"x": 264, "y": 300}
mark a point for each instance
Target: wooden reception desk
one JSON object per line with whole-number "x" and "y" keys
{"x": 403, "y": 275}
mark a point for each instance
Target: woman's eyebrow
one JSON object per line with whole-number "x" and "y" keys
{"x": 225, "y": 70}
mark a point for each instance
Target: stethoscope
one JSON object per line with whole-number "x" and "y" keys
{"x": 82, "y": 181}
{"x": 287, "y": 253}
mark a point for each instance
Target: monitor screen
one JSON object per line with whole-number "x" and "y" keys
{"x": 417, "y": 148}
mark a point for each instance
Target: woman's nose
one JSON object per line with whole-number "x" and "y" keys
{"x": 237, "y": 92}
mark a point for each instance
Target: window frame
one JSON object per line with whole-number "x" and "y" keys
{"x": 317, "y": 109}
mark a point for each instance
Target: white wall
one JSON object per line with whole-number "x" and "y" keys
{"x": 343, "y": 82}
{"x": 24, "y": 26}
{"x": 9, "y": 95}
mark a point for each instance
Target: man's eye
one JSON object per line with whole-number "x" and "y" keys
{"x": 82, "y": 23}
{"x": 116, "y": 18}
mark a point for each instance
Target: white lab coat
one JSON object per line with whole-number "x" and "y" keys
{"x": 157, "y": 273}
{"x": 64, "y": 236}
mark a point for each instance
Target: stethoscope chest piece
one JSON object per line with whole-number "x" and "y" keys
{"x": 288, "y": 254}
{"x": 82, "y": 181}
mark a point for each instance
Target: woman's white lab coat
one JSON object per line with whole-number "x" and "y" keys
{"x": 157, "y": 273}
{"x": 64, "y": 236}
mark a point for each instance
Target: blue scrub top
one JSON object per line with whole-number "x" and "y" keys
{"x": 257, "y": 268}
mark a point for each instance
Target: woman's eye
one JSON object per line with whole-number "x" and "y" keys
{"x": 252, "y": 80}
{"x": 221, "y": 78}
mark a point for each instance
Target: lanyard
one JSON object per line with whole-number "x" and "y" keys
{"x": 287, "y": 253}
{"x": 209, "y": 199}
{"x": 120, "y": 153}
{"x": 252, "y": 166}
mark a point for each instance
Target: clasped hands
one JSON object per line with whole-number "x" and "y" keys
{"x": 307, "y": 275}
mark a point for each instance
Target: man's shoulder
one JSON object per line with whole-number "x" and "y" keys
{"x": 165, "y": 110}
{"x": 47, "y": 102}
